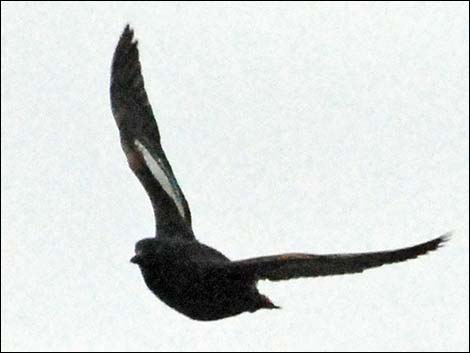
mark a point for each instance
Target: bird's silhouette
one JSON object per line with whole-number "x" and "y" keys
{"x": 194, "y": 279}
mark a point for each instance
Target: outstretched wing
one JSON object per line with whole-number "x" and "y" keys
{"x": 288, "y": 266}
{"x": 140, "y": 140}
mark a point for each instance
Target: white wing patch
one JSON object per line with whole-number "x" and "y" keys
{"x": 156, "y": 167}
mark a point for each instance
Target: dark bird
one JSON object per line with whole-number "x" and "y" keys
{"x": 194, "y": 279}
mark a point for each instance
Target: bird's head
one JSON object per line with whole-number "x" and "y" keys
{"x": 145, "y": 251}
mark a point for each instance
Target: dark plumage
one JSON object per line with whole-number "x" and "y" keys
{"x": 192, "y": 278}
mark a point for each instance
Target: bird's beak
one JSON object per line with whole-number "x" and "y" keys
{"x": 136, "y": 259}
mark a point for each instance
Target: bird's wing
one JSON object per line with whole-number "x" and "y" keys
{"x": 140, "y": 140}
{"x": 288, "y": 266}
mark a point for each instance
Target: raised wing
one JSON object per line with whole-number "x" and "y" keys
{"x": 140, "y": 140}
{"x": 288, "y": 266}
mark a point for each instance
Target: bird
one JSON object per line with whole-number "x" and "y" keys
{"x": 194, "y": 279}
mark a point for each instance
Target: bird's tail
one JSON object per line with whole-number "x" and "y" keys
{"x": 266, "y": 303}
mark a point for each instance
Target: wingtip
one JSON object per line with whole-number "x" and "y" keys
{"x": 126, "y": 46}
{"x": 438, "y": 242}
{"x": 127, "y": 34}
{"x": 128, "y": 29}
{"x": 444, "y": 238}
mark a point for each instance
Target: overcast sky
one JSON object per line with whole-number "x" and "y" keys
{"x": 319, "y": 127}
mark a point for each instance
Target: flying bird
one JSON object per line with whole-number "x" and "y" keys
{"x": 192, "y": 278}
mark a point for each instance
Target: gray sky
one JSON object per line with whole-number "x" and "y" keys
{"x": 307, "y": 127}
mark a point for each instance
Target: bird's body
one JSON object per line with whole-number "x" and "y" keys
{"x": 190, "y": 277}
{"x": 194, "y": 279}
